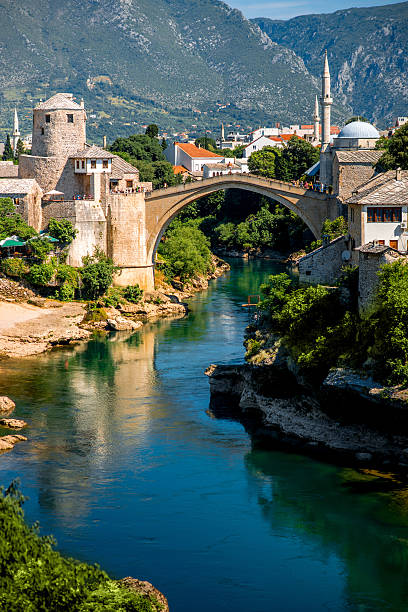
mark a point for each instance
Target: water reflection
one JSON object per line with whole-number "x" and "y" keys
{"x": 125, "y": 466}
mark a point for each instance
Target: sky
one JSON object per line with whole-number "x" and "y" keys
{"x": 285, "y": 9}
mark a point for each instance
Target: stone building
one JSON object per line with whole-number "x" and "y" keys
{"x": 372, "y": 256}
{"x": 26, "y": 195}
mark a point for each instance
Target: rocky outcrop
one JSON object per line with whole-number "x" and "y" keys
{"x": 282, "y": 412}
{"x": 147, "y": 590}
{"x": 121, "y": 324}
{"x": 13, "y": 423}
{"x": 14, "y": 291}
{"x": 6, "y": 405}
{"x": 8, "y": 442}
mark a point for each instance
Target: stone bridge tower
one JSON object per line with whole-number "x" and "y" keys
{"x": 59, "y": 130}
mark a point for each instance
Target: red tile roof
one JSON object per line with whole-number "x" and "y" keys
{"x": 306, "y": 127}
{"x": 179, "y": 169}
{"x": 193, "y": 151}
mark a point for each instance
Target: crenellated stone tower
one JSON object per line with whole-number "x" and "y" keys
{"x": 59, "y": 130}
{"x": 325, "y": 102}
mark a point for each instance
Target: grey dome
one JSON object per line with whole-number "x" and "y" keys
{"x": 359, "y": 129}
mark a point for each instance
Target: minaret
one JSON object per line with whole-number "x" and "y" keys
{"x": 16, "y": 134}
{"x": 325, "y": 101}
{"x": 316, "y": 120}
{"x": 222, "y": 133}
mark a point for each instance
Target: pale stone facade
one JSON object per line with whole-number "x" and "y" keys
{"x": 372, "y": 257}
{"x": 323, "y": 266}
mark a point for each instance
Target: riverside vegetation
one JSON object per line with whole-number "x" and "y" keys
{"x": 322, "y": 328}
{"x": 34, "y": 576}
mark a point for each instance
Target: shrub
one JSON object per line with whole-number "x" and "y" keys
{"x": 40, "y": 248}
{"x": 133, "y": 293}
{"x": 14, "y": 267}
{"x": 253, "y": 347}
{"x": 186, "y": 251}
{"x": 95, "y": 313}
{"x": 41, "y": 274}
{"x": 113, "y": 297}
{"x": 62, "y": 230}
{"x": 34, "y": 576}
{"x": 68, "y": 279}
{"x": 12, "y": 223}
{"x": 96, "y": 274}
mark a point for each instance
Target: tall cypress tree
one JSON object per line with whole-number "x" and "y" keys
{"x": 8, "y": 151}
{"x": 20, "y": 150}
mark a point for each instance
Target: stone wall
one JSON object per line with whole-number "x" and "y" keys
{"x": 347, "y": 177}
{"x": 369, "y": 265}
{"x": 91, "y": 225}
{"x": 53, "y": 173}
{"x": 323, "y": 265}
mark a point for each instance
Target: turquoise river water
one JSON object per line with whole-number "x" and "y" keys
{"x": 127, "y": 467}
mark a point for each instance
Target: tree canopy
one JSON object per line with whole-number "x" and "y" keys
{"x": 8, "y": 151}
{"x": 152, "y": 130}
{"x": 396, "y": 152}
{"x": 139, "y": 146}
{"x": 12, "y": 223}
{"x": 286, "y": 164}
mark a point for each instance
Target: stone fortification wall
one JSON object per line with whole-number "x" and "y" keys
{"x": 127, "y": 240}
{"x": 58, "y": 210}
{"x": 30, "y": 208}
{"x": 369, "y": 264}
{"x": 58, "y": 137}
{"x": 52, "y": 173}
{"x": 324, "y": 264}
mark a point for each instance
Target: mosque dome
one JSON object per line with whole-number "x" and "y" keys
{"x": 359, "y": 129}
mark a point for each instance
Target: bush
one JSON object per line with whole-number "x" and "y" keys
{"x": 133, "y": 293}
{"x": 113, "y": 297}
{"x": 62, "y": 230}
{"x": 186, "y": 252}
{"x": 41, "y": 274}
{"x": 96, "y": 274}
{"x": 34, "y": 576}
{"x": 95, "y": 313}
{"x": 40, "y": 248}
{"x": 12, "y": 223}
{"x": 14, "y": 267}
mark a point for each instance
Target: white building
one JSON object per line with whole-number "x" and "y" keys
{"x": 231, "y": 166}
{"x": 262, "y": 142}
{"x": 378, "y": 211}
{"x": 192, "y": 158}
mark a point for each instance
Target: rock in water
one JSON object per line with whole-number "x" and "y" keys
{"x": 13, "y": 423}
{"x": 147, "y": 590}
{"x": 6, "y": 405}
{"x": 8, "y": 442}
{"x": 122, "y": 324}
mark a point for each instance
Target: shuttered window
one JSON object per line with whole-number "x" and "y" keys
{"x": 384, "y": 215}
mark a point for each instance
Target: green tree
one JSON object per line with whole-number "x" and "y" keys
{"x": 40, "y": 247}
{"x": 163, "y": 144}
{"x": 62, "y": 230}
{"x": 12, "y": 223}
{"x": 263, "y": 162}
{"x": 139, "y": 147}
{"x": 152, "y": 131}
{"x": 96, "y": 274}
{"x": 296, "y": 158}
{"x": 8, "y": 151}
{"x": 20, "y": 150}
{"x": 206, "y": 143}
{"x": 396, "y": 153}
{"x": 186, "y": 252}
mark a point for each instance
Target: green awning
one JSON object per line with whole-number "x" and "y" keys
{"x": 9, "y": 242}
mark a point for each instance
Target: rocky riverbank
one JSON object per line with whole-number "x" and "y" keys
{"x": 30, "y": 324}
{"x": 349, "y": 419}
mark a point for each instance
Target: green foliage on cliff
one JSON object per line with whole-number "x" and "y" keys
{"x": 41, "y": 274}
{"x": 34, "y": 576}
{"x": 322, "y": 332}
{"x": 14, "y": 267}
{"x": 133, "y": 293}
{"x": 186, "y": 252}
{"x": 332, "y": 229}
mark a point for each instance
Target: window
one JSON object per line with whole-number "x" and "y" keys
{"x": 83, "y": 164}
{"x": 77, "y": 164}
{"x": 70, "y": 118}
{"x": 105, "y": 163}
{"x": 93, "y": 163}
{"x": 42, "y": 131}
{"x": 47, "y": 118}
{"x": 129, "y": 184}
{"x": 384, "y": 215}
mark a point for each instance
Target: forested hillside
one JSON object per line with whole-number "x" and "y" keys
{"x": 367, "y": 49}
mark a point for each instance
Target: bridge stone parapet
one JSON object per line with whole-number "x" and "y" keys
{"x": 162, "y": 205}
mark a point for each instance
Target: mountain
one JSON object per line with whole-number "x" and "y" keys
{"x": 367, "y": 49}
{"x": 174, "y": 62}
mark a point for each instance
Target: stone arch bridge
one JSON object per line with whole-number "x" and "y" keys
{"x": 162, "y": 205}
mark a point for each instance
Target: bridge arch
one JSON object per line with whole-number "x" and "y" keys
{"x": 162, "y": 205}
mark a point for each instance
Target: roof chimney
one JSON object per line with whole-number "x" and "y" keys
{"x": 398, "y": 174}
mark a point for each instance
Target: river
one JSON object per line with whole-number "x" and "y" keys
{"x": 126, "y": 466}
